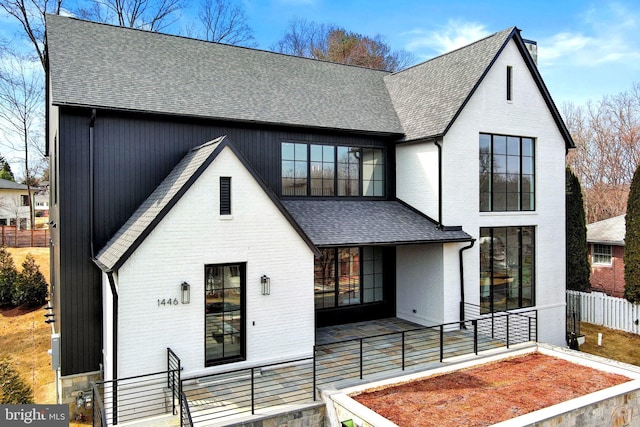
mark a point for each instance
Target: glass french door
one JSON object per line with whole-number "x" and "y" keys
{"x": 224, "y": 317}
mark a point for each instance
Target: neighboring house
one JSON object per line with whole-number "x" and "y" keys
{"x": 606, "y": 255}
{"x": 41, "y": 199}
{"x": 15, "y": 204}
{"x": 225, "y": 201}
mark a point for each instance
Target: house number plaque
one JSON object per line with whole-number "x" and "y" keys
{"x": 168, "y": 301}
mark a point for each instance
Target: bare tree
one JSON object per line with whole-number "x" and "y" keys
{"x": 152, "y": 15}
{"x": 21, "y": 111}
{"x": 224, "y": 21}
{"x": 335, "y": 44}
{"x": 31, "y": 15}
{"x": 607, "y": 137}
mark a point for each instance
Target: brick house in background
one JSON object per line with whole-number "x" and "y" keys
{"x": 606, "y": 255}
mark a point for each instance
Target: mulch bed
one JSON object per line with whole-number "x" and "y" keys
{"x": 487, "y": 394}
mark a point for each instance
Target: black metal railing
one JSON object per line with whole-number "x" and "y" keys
{"x": 135, "y": 398}
{"x": 510, "y": 326}
{"x": 173, "y": 382}
{"x": 185, "y": 413}
{"x": 359, "y": 358}
{"x": 99, "y": 415}
{"x": 249, "y": 391}
{"x": 573, "y": 315}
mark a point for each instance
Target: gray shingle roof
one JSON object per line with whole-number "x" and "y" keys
{"x": 344, "y": 222}
{"x": 428, "y": 96}
{"x": 100, "y": 65}
{"x": 164, "y": 197}
{"x": 609, "y": 231}
{"x": 5, "y": 184}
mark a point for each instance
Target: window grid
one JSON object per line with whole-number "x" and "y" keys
{"x": 507, "y": 268}
{"x": 327, "y": 170}
{"x": 506, "y": 173}
{"x": 601, "y": 254}
{"x": 348, "y": 276}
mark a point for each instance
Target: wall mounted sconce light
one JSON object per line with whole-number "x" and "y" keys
{"x": 185, "y": 292}
{"x": 266, "y": 285}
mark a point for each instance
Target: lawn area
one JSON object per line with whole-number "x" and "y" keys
{"x": 616, "y": 345}
{"x": 26, "y": 338}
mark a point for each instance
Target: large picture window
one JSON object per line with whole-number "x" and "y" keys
{"x": 327, "y": 170}
{"x": 224, "y": 325}
{"x": 348, "y": 276}
{"x": 507, "y": 173}
{"x": 507, "y": 266}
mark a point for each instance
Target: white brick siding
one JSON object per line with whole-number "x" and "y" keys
{"x": 489, "y": 111}
{"x": 278, "y": 326}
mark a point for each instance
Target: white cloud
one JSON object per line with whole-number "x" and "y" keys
{"x": 608, "y": 36}
{"x": 453, "y": 35}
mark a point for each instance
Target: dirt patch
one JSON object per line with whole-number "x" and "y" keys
{"x": 487, "y": 394}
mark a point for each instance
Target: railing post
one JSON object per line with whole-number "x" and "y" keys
{"x": 115, "y": 402}
{"x": 314, "y": 373}
{"x": 253, "y": 407}
{"x": 441, "y": 342}
{"x": 508, "y": 315}
{"x": 361, "y": 359}
{"x": 403, "y": 350}
{"x": 529, "y": 327}
{"x": 475, "y": 336}
{"x": 493, "y": 335}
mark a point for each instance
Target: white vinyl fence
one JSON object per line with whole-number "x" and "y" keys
{"x": 614, "y": 313}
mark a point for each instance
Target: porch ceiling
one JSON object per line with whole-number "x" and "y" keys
{"x": 369, "y": 222}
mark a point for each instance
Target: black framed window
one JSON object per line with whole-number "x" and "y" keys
{"x": 224, "y": 313}
{"x": 507, "y": 173}
{"x": 294, "y": 169}
{"x": 348, "y": 276}
{"x": 327, "y": 170}
{"x": 507, "y": 268}
{"x": 322, "y": 173}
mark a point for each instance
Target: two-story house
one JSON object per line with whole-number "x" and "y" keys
{"x": 225, "y": 201}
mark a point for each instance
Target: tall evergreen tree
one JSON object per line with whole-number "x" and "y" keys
{"x": 632, "y": 242}
{"x": 578, "y": 269}
{"x": 8, "y": 276}
{"x": 5, "y": 170}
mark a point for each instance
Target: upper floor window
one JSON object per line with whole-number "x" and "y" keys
{"x": 507, "y": 173}
{"x": 601, "y": 254}
{"x": 225, "y": 195}
{"x": 326, "y": 170}
{"x": 509, "y": 83}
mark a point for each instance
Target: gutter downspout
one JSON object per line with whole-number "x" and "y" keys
{"x": 462, "y": 278}
{"x": 438, "y": 144}
{"x": 114, "y": 293}
{"x": 92, "y": 122}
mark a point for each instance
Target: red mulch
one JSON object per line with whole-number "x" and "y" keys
{"x": 487, "y": 394}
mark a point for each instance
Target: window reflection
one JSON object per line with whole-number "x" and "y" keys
{"x": 223, "y": 315}
{"x": 506, "y": 268}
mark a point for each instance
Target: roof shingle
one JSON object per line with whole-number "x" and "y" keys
{"x": 367, "y": 222}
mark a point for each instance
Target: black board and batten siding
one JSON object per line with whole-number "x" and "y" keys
{"x": 133, "y": 153}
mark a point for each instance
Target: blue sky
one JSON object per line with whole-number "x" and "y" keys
{"x": 586, "y": 49}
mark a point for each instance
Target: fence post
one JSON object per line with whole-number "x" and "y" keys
{"x": 441, "y": 342}
{"x": 253, "y": 406}
{"x": 361, "y": 357}
{"x": 474, "y": 322}
{"x": 403, "y": 350}
{"x": 314, "y": 373}
{"x": 508, "y": 315}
